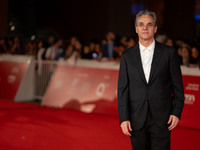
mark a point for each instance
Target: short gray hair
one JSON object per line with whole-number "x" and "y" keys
{"x": 146, "y": 12}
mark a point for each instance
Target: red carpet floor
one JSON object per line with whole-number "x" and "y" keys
{"x": 31, "y": 127}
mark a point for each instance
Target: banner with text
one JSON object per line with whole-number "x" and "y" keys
{"x": 85, "y": 89}
{"x": 94, "y": 90}
{"x": 11, "y": 75}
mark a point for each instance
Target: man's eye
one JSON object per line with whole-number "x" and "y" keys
{"x": 141, "y": 24}
{"x": 150, "y": 25}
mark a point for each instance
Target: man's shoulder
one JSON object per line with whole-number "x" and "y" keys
{"x": 130, "y": 50}
{"x": 165, "y": 48}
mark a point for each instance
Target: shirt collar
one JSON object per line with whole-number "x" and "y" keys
{"x": 150, "y": 47}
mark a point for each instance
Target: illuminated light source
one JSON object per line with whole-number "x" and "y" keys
{"x": 12, "y": 28}
{"x": 197, "y": 16}
{"x": 135, "y": 8}
{"x": 33, "y": 37}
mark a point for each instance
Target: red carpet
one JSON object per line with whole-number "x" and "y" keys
{"x": 31, "y": 127}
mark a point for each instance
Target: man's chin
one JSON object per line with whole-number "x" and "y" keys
{"x": 146, "y": 39}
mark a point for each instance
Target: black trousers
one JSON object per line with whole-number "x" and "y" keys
{"x": 151, "y": 136}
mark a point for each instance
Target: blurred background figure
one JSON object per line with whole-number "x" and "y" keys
{"x": 87, "y": 52}
{"x": 119, "y": 48}
{"x": 55, "y": 51}
{"x": 123, "y": 40}
{"x": 185, "y": 56}
{"x": 68, "y": 52}
{"x": 130, "y": 42}
{"x": 73, "y": 41}
{"x": 3, "y": 48}
{"x": 169, "y": 42}
{"x": 97, "y": 54}
{"x": 78, "y": 48}
{"x": 42, "y": 48}
{"x": 161, "y": 38}
{"x": 31, "y": 48}
{"x": 195, "y": 57}
{"x": 51, "y": 40}
{"x": 92, "y": 46}
{"x": 108, "y": 47}
{"x": 17, "y": 47}
{"x": 10, "y": 44}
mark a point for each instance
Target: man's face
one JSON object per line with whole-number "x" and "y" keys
{"x": 146, "y": 28}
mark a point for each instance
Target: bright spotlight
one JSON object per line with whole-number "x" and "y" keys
{"x": 12, "y": 28}
{"x": 33, "y": 37}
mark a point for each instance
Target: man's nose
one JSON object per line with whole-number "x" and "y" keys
{"x": 145, "y": 27}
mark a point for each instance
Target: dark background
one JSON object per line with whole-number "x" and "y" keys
{"x": 88, "y": 19}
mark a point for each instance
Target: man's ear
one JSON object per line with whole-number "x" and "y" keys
{"x": 155, "y": 29}
{"x": 136, "y": 29}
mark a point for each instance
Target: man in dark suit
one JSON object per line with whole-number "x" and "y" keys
{"x": 150, "y": 89}
{"x": 108, "y": 47}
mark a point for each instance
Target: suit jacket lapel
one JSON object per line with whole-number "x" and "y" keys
{"x": 155, "y": 61}
{"x": 139, "y": 63}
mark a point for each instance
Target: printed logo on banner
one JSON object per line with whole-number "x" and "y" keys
{"x": 192, "y": 87}
{"x": 85, "y": 89}
{"x": 11, "y": 79}
{"x": 101, "y": 89}
{"x": 15, "y": 70}
{"x": 189, "y": 99}
{"x": 13, "y": 73}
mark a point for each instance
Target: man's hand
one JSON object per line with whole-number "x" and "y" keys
{"x": 126, "y": 126}
{"x": 174, "y": 122}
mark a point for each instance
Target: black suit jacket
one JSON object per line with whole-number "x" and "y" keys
{"x": 163, "y": 93}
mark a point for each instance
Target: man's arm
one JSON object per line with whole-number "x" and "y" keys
{"x": 123, "y": 92}
{"x": 177, "y": 85}
{"x": 177, "y": 90}
{"x": 123, "y": 98}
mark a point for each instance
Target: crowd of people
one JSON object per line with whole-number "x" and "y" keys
{"x": 108, "y": 49}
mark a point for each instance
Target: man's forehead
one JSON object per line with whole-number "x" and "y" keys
{"x": 146, "y": 18}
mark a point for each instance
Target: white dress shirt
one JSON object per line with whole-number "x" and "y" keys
{"x": 146, "y": 57}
